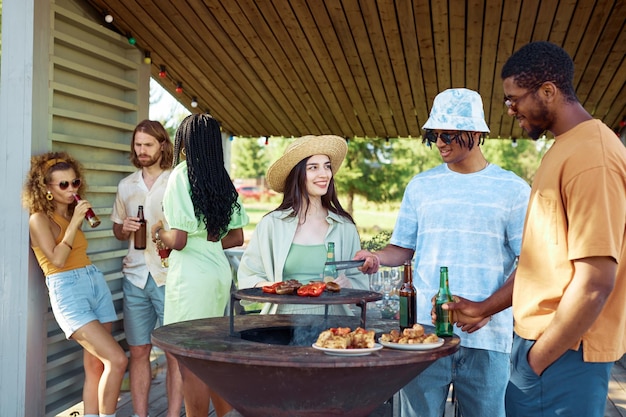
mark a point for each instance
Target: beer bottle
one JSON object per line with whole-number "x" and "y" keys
{"x": 443, "y": 325}
{"x": 408, "y": 313}
{"x": 140, "y": 234}
{"x": 330, "y": 271}
{"x": 90, "y": 216}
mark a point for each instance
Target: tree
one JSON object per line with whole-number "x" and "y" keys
{"x": 249, "y": 158}
{"x": 379, "y": 170}
{"x": 523, "y": 159}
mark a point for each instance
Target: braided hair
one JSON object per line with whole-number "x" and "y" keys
{"x": 213, "y": 194}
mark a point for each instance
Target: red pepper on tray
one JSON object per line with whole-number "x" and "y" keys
{"x": 312, "y": 289}
{"x": 271, "y": 289}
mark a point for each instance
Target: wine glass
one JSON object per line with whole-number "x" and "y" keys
{"x": 376, "y": 285}
{"x": 164, "y": 253}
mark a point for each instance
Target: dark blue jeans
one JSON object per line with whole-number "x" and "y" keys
{"x": 569, "y": 387}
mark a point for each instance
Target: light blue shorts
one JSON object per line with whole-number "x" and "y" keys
{"x": 479, "y": 377}
{"x": 569, "y": 387}
{"x": 78, "y": 297}
{"x": 143, "y": 311}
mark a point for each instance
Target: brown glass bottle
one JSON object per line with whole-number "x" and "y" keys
{"x": 92, "y": 218}
{"x": 408, "y": 307}
{"x": 443, "y": 325}
{"x": 140, "y": 234}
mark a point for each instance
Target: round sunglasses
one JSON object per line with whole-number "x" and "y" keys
{"x": 431, "y": 137}
{"x": 64, "y": 185}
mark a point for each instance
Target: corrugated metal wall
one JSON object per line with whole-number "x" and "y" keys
{"x": 98, "y": 93}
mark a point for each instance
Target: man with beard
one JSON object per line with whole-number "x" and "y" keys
{"x": 569, "y": 290}
{"x": 151, "y": 151}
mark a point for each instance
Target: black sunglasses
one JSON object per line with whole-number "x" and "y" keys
{"x": 431, "y": 137}
{"x": 63, "y": 185}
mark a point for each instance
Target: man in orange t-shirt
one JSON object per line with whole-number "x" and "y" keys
{"x": 569, "y": 291}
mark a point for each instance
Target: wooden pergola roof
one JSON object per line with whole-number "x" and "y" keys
{"x": 368, "y": 68}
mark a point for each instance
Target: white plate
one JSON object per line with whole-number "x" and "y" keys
{"x": 348, "y": 352}
{"x": 416, "y": 346}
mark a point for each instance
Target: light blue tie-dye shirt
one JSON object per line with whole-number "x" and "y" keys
{"x": 471, "y": 223}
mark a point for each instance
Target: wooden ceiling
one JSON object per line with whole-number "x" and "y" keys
{"x": 367, "y": 68}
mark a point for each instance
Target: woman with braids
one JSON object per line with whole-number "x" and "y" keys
{"x": 80, "y": 298}
{"x": 205, "y": 217}
{"x": 290, "y": 242}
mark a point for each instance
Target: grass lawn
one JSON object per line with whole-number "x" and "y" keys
{"x": 370, "y": 218}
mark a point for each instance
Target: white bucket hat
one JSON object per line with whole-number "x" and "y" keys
{"x": 457, "y": 109}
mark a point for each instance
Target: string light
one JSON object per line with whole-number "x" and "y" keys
{"x": 131, "y": 40}
{"x": 108, "y": 17}
{"x": 194, "y": 102}
{"x": 179, "y": 87}
{"x": 514, "y": 143}
{"x": 146, "y": 58}
{"x": 267, "y": 141}
{"x": 162, "y": 72}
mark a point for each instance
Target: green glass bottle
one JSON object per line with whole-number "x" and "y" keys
{"x": 443, "y": 325}
{"x": 330, "y": 271}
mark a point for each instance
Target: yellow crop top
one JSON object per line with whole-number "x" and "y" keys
{"x": 78, "y": 255}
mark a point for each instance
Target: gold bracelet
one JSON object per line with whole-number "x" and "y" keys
{"x": 67, "y": 244}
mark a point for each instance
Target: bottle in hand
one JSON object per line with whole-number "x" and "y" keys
{"x": 90, "y": 216}
{"x": 408, "y": 306}
{"x": 140, "y": 234}
{"x": 443, "y": 325}
{"x": 330, "y": 271}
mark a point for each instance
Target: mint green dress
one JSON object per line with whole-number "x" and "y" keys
{"x": 199, "y": 277}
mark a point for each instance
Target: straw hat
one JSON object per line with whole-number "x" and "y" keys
{"x": 335, "y": 147}
{"x": 457, "y": 109}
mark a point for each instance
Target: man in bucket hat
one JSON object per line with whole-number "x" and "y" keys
{"x": 468, "y": 215}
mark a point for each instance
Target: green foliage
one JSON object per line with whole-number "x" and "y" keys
{"x": 249, "y": 158}
{"x": 523, "y": 159}
{"x": 377, "y": 242}
{"x": 379, "y": 170}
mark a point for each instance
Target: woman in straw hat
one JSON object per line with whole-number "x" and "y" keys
{"x": 290, "y": 242}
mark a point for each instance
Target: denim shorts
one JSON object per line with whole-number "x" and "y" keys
{"x": 479, "y": 377}
{"x": 78, "y": 297}
{"x": 569, "y": 387}
{"x": 143, "y": 311}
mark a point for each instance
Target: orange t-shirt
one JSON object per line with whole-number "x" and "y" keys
{"x": 78, "y": 255}
{"x": 577, "y": 209}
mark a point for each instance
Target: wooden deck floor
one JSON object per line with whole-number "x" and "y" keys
{"x": 615, "y": 403}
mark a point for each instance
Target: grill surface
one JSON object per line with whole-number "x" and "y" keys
{"x": 287, "y": 378}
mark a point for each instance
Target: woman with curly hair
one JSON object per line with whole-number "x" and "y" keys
{"x": 80, "y": 298}
{"x": 205, "y": 217}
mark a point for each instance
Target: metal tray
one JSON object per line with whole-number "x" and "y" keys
{"x": 345, "y": 296}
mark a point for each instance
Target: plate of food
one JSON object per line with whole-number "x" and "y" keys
{"x": 412, "y": 346}
{"x": 413, "y": 338}
{"x": 342, "y": 341}
{"x": 348, "y": 351}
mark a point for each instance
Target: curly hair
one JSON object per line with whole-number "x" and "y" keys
{"x": 539, "y": 62}
{"x": 295, "y": 193}
{"x": 39, "y": 175}
{"x": 213, "y": 194}
{"x": 157, "y": 131}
